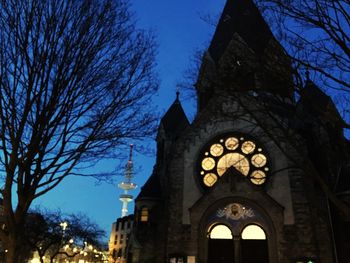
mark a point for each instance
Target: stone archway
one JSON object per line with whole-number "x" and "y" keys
{"x": 220, "y": 244}
{"x": 244, "y": 238}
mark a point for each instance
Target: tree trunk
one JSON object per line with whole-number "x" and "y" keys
{"x": 13, "y": 249}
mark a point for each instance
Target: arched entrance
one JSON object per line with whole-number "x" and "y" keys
{"x": 249, "y": 247}
{"x": 220, "y": 244}
{"x": 253, "y": 244}
{"x": 236, "y": 233}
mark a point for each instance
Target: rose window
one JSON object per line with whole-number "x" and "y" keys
{"x": 244, "y": 155}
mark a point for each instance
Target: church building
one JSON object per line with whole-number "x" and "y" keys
{"x": 261, "y": 174}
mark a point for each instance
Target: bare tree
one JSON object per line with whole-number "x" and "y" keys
{"x": 74, "y": 79}
{"x": 316, "y": 34}
{"x": 53, "y": 235}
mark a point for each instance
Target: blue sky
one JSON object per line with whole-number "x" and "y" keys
{"x": 179, "y": 31}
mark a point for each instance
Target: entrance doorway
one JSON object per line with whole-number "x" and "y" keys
{"x": 254, "y": 245}
{"x": 220, "y": 244}
{"x": 249, "y": 247}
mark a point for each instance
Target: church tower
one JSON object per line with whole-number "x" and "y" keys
{"x": 246, "y": 181}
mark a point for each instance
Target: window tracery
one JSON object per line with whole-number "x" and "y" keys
{"x": 245, "y": 155}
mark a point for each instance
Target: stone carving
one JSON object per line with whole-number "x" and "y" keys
{"x": 235, "y": 211}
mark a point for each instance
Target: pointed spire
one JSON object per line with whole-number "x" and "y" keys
{"x": 177, "y": 95}
{"x": 174, "y": 120}
{"x": 241, "y": 17}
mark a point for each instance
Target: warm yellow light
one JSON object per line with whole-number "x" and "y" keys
{"x": 258, "y": 177}
{"x": 236, "y": 160}
{"x": 221, "y": 232}
{"x": 232, "y": 143}
{"x": 253, "y": 232}
{"x": 35, "y": 260}
{"x": 71, "y": 240}
{"x": 248, "y": 147}
{"x": 216, "y": 149}
{"x": 259, "y": 160}
{"x": 210, "y": 179}
{"x": 208, "y": 163}
{"x": 64, "y": 225}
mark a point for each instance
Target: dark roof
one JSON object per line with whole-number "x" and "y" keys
{"x": 319, "y": 104}
{"x": 151, "y": 189}
{"x": 174, "y": 121}
{"x": 241, "y": 17}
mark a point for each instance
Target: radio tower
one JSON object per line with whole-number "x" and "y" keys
{"x": 127, "y": 185}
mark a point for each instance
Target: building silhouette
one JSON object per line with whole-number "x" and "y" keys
{"x": 259, "y": 174}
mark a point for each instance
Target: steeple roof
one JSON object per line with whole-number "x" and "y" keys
{"x": 174, "y": 121}
{"x": 320, "y": 104}
{"x": 241, "y": 17}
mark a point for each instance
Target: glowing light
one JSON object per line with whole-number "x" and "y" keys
{"x": 64, "y": 225}
{"x": 221, "y": 232}
{"x": 216, "y": 149}
{"x": 208, "y": 163}
{"x": 231, "y": 143}
{"x": 236, "y": 160}
{"x": 210, "y": 179}
{"x": 248, "y": 147}
{"x": 253, "y": 232}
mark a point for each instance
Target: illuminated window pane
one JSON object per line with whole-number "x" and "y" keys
{"x": 236, "y": 160}
{"x": 232, "y": 143}
{"x": 253, "y": 232}
{"x": 208, "y": 163}
{"x": 248, "y": 147}
{"x": 144, "y": 214}
{"x": 220, "y": 232}
{"x": 258, "y": 160}
{"x": 210, "y": 179}
{"x": 216, "y": 149}
{"x": 258, "y": 177}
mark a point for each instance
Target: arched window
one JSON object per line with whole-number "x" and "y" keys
{"x": 144, "y": 214}
{"x": 253, "y": 232}
{"x": 243, "y": 154}
{"x": 220, "y": 244}
{"x": 254, "y": 245}
{"x": 220, "y": 232}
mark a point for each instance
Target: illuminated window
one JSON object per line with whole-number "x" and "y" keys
{"x": 216, "y": 149}
{"x": 144, "y": 214}
{"x": 210, "y": 179}
{"x": 253, "y": 232}
{"x": 220, "y": 232}
{"x": 235, "y": 160}
{"x": 245, "y": 155}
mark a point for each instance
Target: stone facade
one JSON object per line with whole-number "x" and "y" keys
{"x": 244, "y": 92}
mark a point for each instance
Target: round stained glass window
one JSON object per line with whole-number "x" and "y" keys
{"x": 259, "y": 160}
{"x": 244, "y": 155}
{"x": 248, "y": 147}
{"x": 232, "y": 143}
{"x": 216, "y": 149}
{"x": 208, "y": 163}
{"x": 210, "y": 179}
{"x": 258, "y": 177}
